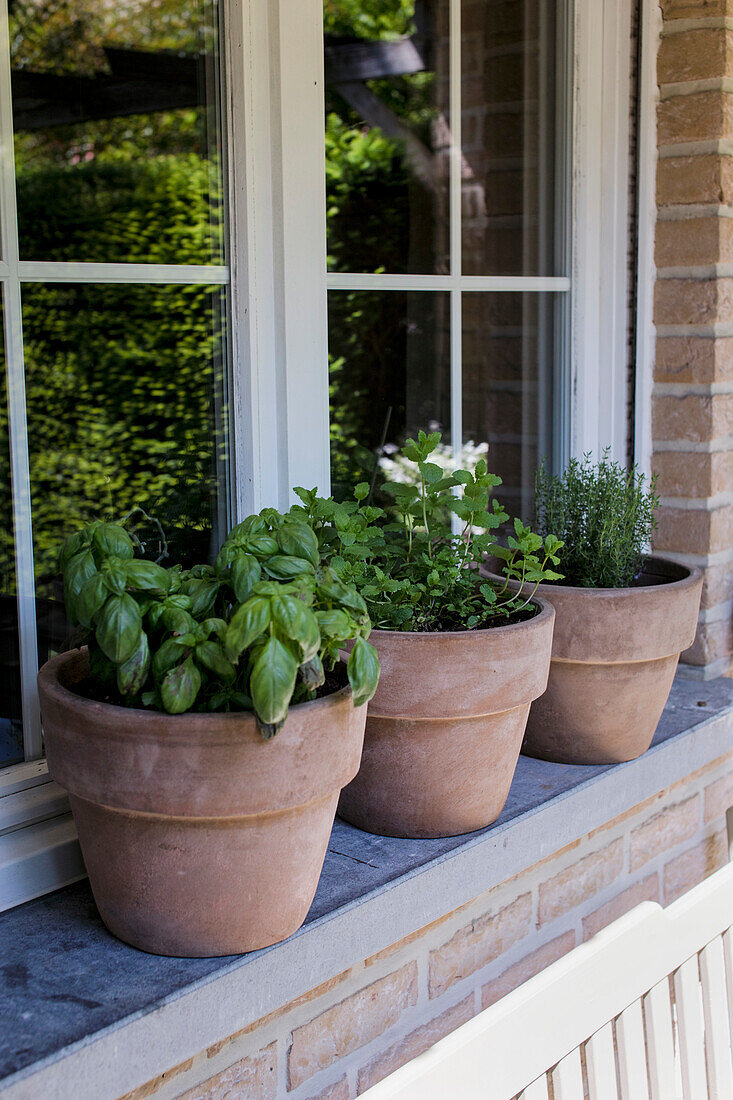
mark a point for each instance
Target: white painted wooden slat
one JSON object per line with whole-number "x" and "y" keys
{"x": 715, "y": 1012}
{"x": 600, "y": 1061}
{"x": 728, "y": 953}
{"x": 690, "y": 1030}
{"x": 567, "y": 1077}
{"x": 537, "y": 1090}
{"x": 660, "y": 1041}
{"x": 633, "y": 1083}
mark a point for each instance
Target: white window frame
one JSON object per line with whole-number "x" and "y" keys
{"x": 273, "y": 100}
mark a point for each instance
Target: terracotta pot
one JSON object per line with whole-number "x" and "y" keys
{"x": 444, "y": 729}
{"x": 199, "y": 837}
{"x": 614, "y": 657}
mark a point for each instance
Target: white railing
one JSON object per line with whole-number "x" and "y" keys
{"x": 643, "y": 1011}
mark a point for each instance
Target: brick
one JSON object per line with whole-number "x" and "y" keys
{"x": 478, "y": 944}
{"x": 702, "y": 116}
{"x": 698, "y": 54}
{"x": 693, "y": 242}
{"x": 686, "y": 870}
{"x": 693, "y": 301}
{"x": 690, "y": 179}
{"x": 695, "y": 417}
{"x": 694, "y": 530}
{"x": 151, "y": 1087}
{"x": 312, "y": 995}
{"x": 696, "y": 359}
{"x": 713, "y": 642}
{"x": 387, "y": 952}
{"x": 691, "y": 474}
{"x": 646, "y": 890}
{"x": 350, "y": 1024}
{"x": 253, "y": 1078}
{"x": 576, "y": 884}
{"x": 695, "y": 9}
{"x": 717, "y": 586}
{"x": 526, "y": 968}
{"x": 417, "y": 1042}
{"x": 664, "y": 830}
{"x": 718, "y": 798}
{"x": 339, "y": 1091}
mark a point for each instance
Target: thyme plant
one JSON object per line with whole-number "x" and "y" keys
{"x": 407, "y": 563}
{"x": 604, "y": 514}
{"x": 260, "y": 629}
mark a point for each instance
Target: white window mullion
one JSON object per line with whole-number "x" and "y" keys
{"x": 50, "y": 271}
{"x": 17, "y": 430}
{"x": 456, "y": 221}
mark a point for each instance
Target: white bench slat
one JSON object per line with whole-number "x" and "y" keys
{"x": 567, "y": 1078}
{"x": 632, "y": 1054}
{"x": 691, "y": 1030}
{"x": 660, "y": 1041}
{"x": 600, "y": 1062}
{"x": 715, "y": 1012}
{"x": 489, "y": 1058}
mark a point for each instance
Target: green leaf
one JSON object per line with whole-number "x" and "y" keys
{"x": 146, "y": 576}
{"x": 170, "y": 654}
{"x": 297, "y": 540}
{"x": 248, "y": 622}
{"x": 272, "y": 682}
{"x": 180, "y": 687}
{"x": 119, "y": 627}
{"x": 431, "y": 473}
{"x": 264, "y": 546}
{"x": 111, "y": 541}
{"x": 335, "y": 625}
{"x": 114, "y": 578}
{"x": 132, "y": 674}
{"x": 296, "y": 621}
{"x": 77, "y": 572}
{"x": 361, "y": 492}
{"x": 244, "y": 575}
{"x": 363, "y": 670}
{"x": 100, "y": 666}
{"x": 312, "y": 673}
{"x": 211, "y": 656}
{"x": 177, "y": 620}
{"x": 91, "y": 599}
{"x": 203, "y": 597}
{"x": 282, "y": 568}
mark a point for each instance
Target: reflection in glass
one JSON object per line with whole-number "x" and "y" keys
{"x": 387, "y": 135}
{"x": 508, "y": 387}
{"x": 508, "y": 137}
{"x": 115, "y": 114}
{"x": 11, "y": 717}
{"x": 126, "y": 409}
{"x": 389, "y": 355}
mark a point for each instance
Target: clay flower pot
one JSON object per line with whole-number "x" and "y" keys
{"x": 445, "y": 727}
{"x": 200, "y": 838}
{"x": 614, "y": 657}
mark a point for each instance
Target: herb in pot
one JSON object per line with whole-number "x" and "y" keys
{"x": 604, "y": 514}
{"x": 413, "y": 571}
{"x": 260, "y": 629}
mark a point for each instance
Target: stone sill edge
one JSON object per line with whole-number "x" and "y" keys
{"x": 135, "y": 1050}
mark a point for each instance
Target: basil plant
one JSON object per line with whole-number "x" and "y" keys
{"x": 260, "y": 629}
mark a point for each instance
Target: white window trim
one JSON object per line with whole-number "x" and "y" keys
{"x": 273, "y": 107}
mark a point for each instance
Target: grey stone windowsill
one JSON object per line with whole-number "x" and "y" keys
{"x": 85, "y": 1015}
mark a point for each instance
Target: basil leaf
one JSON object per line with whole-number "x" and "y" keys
{"x": 312, "y": 673}
{"x": 272, "y": 682}
{"x": 335, "y": 624}
{"x": 203, "y": 597}
{"x": 211, "y": 656}
{"x": 363, "y": 671}
{"x": 77, "y": 572}
{"x": 298, "y": 541}
{"x": 180, "y": 687}
{"x": 146, "y": 576}
{"x": 91, "y": 599}
{"x": 244, "y": 574}
{"x": 283, "y": 568}
{"x": 109, "y": 540}
{"x": 119, "y": 627}
{"x": 248, "y": 622}
{"x": 132, "y": 674}
{"x": 170, "y": 654}
{"x": 297, "y": 622}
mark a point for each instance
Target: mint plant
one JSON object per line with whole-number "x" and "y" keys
{"x": 414, "y": 572}
{"x": 605, "y": 515}
{"x": 260, "y": 629}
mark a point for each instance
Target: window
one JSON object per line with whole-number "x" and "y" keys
{"x": 182, "y": 287}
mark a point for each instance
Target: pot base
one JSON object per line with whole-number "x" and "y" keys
{"x": 203, "y": 887}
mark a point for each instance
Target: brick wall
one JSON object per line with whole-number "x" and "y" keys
{"x": 693, "y": 393}
{"x": 336, "y": 1041}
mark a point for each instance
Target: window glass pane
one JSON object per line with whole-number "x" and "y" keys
{"x": 508, "y": 136}
{"x": 126, "y": 409}
{"x": 389, "y": 357}
{"x": 11, "y": 717}
{"x": 116, "y": 130}
{"x": 508, "y": 387}
{"x": 387, "y": 135}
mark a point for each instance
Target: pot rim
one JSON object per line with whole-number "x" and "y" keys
{"x": 694, "y": 573}
{"x": 48, "y": 676}
{"x": 546, "y": 611}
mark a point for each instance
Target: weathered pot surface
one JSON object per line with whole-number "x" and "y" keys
{"x": 614, "y": 657}
{"x": 200, "y": 838}
{"x": 445, "y": 727}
